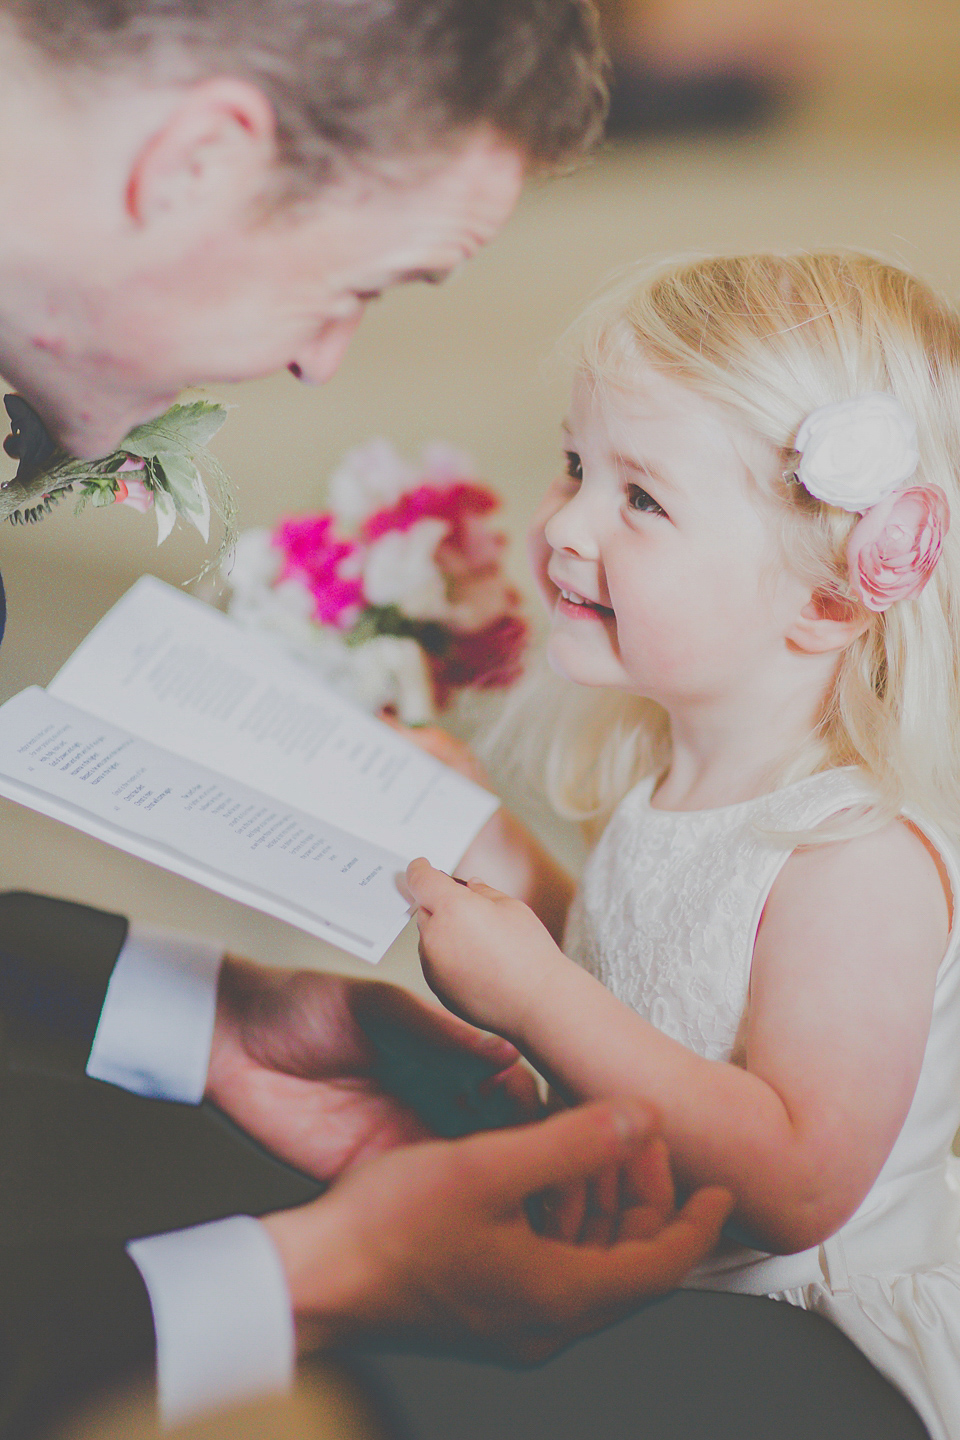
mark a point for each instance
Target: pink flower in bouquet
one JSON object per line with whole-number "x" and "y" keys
{"x": 325, "y": 563}
{"x": 488, "y": 659}
{"x": 473, "y": 550}
{"x": 455, "y": 504}
{"x": 894, "y": 547}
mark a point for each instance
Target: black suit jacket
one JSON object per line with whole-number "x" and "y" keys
{"x": 85, "y": 1166}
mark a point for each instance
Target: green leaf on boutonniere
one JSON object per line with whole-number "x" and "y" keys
{"x": 186, "y": 489}
{"x": 178, "y": 431}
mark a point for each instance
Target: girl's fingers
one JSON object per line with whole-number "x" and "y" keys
{"x": 479, "y": 887}
{"x": 602, "y": 1217}
{"x": 426, "y": 885}
{"x": 563, "y": 1212}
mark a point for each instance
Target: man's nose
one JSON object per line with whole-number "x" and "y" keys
{"x": 320, "y": 360}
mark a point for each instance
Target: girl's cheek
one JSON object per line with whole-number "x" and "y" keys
{"x": 538, "y": 554}
{"x": 538, "y": 548}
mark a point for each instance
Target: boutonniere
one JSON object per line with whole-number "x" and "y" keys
{"x": 162, "y": 465}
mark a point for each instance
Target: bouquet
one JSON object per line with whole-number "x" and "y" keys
{"x": 395, "y": 594}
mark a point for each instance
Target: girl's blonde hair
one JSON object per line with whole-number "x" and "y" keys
{"x": 770, "y": 338}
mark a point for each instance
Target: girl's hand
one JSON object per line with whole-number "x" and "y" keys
{"x": 442, "y": 746}
{"x": 504, "y": 852}
{"x": 484, "y": 954}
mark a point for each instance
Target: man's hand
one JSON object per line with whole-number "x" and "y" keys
{"x": 291, "y": 1063}
{"x": 434, "y": 1240}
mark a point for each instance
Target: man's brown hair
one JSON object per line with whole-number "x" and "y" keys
{"x": 359, "y": 81}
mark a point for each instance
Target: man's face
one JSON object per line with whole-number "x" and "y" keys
{"x": 268, "y": 294}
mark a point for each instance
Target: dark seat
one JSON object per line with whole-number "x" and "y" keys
{"x": 694, "y": 1366}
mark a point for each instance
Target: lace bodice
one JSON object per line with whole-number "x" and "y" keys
{"x": 670, "y": 902}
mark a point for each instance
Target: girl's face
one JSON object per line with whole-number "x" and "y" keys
{"x": 656, "y": 555}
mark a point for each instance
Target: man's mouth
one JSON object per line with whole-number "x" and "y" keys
{"x": 572, "y": 602}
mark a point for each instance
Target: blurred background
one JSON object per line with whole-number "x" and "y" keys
{"x": 737, "y": 124}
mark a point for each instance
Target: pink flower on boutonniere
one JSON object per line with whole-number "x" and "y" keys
{"x": 895, "y": 545}
{"x": 132, "y": 492}
{"x": 138, "y": 496}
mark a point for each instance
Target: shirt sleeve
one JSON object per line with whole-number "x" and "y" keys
{"x": 156, "y": 1025}
{"x": 222, "y": 1315}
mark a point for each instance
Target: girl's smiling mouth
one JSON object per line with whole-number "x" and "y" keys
{"x": 570, "y": 603}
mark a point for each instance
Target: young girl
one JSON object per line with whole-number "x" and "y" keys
{"x": 751, "y": 581}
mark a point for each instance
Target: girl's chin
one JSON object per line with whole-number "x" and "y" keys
{"x": 580, "y": 669}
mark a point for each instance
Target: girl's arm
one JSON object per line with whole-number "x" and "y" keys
{"x": 842, "y": 986}
{"x": 505, "y": 853}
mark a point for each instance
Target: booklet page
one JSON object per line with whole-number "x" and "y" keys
{"x": 179, "y": 815}
{"x": 175, "y": 671}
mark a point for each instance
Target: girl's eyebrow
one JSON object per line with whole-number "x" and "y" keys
{"x": 649, "y": 472}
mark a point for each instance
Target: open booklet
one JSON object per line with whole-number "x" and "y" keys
{"x": 175, "y": 735}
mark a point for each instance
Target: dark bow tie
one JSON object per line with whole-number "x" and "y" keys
{"x": 29, "y": 441}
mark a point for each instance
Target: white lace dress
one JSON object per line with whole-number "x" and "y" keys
{"x": 667, "y": 917}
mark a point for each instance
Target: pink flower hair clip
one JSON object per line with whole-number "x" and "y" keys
{"x": 858, "y": 455}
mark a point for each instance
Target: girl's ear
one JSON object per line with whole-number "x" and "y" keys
{"x": 826, "y": 623}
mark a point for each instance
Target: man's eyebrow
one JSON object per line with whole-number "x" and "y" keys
{"x": 422, "y": 277}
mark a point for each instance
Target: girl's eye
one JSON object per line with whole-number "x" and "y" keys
{"x": 574, "y": 465}
{"x": 638, "y": 499}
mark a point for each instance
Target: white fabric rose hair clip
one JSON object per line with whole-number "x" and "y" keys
{"x": 858, "y": 455}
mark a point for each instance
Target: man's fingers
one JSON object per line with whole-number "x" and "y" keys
{"x": 433, "y": 1024}
{"x": 520, "y": 1084}
{"x": 563, "y": 1212}
{"x": 589, "y": 1282}
{"x": 566, "y": 1148}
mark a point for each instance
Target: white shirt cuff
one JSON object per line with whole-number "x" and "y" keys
{"x": 156, "y": 1026}
{"x": 222, "y": 1315}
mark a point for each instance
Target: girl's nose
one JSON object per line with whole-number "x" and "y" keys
{"x": 570, "y": 528}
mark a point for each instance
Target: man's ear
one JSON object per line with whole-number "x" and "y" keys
{"x": 826, "y": 623}
{"x": 213, "y": 152}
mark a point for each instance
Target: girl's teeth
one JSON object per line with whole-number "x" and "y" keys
{"x": 573, "y": 599}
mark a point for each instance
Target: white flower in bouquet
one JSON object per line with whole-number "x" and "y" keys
{"x": 368, "y": 478}
{"x": 400, "y": 569}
